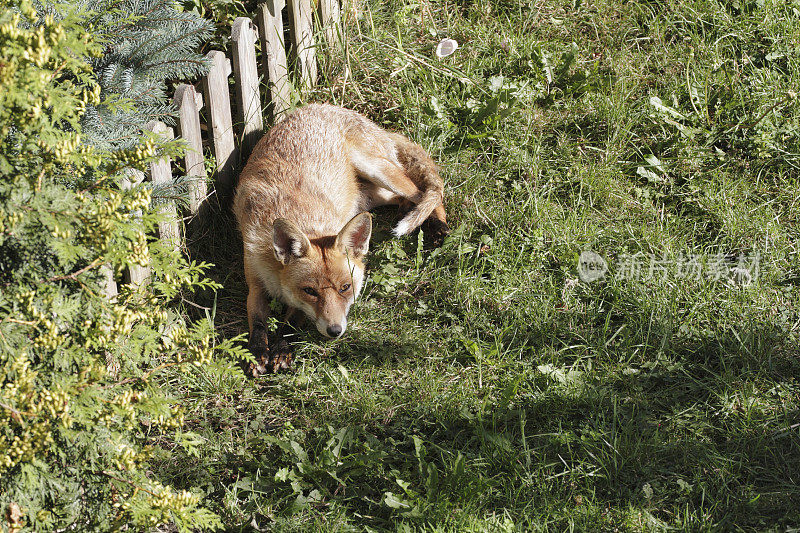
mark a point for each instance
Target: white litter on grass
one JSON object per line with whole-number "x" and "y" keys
{"x": 446, "y": 47}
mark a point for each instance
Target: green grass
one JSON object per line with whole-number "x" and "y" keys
{"x": 484, "y": 386}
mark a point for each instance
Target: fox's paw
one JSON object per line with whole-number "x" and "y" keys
{"x": 276, "y": 358}
{"x": 435, "y": 231}
{"x": 280, "y": 356}
{"x": 261, "y": 355}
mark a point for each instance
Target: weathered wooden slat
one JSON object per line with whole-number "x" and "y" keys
{"x": 330, "y": 15}
{"x": 136, "y": 274}
{"x": 245, "y": 71}
{"x": 189, "y": 102}
{"x": 161, "y": 174}
{"x": 270, "y": 22}
{"x": 303, "y": 41}
{"x": 108, "y": 283}
{"x": 215, "y": 87}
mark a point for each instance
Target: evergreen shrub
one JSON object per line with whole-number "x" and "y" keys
{"x": 83, "y": 397}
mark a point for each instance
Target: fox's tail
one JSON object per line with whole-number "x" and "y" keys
{"x": 424, "y": 173}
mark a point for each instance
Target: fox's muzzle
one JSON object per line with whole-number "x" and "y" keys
{"x": 331, "y": 330}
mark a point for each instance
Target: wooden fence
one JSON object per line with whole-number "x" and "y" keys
{"x": 233, "y": 130}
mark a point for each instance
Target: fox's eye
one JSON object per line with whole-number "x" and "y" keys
{"x": 344, "y": 288}
{"x": 310, "y": 291}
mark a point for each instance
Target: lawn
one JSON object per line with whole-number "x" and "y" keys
{"x": 492, "y": 384}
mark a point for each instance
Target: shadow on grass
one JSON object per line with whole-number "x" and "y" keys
{"x": 691, "y": 440}
{"x": 213, "y": 237}
{"x": 665, "y": 428}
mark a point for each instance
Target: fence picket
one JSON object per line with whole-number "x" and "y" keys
{"x": 189, "y": 102}
{"x": 303, "y": 41}
{"x": 245, "y": 72}
{"x": 330, "y": 15}
{"x": 161, "y": 174}
{"x": 135, "y": 274}
{"x": 270, "y": 21}
{"x": 108, "y": 282}
{"x": 215, "y": 87}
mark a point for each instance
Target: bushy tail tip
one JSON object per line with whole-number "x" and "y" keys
{"x": 414, "y": 219}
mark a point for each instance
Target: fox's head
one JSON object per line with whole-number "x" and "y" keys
{"x": 322, "y": 277}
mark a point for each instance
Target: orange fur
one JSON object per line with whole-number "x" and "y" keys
{"x": 301, "y": 203}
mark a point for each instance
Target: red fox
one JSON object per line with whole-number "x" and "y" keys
{"x": 302, "y": 205}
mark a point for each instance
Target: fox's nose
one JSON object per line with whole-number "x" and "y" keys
{"x": 334, "y": 330}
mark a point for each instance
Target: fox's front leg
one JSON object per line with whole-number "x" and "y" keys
{"x": 257, "y": 318}
{"x": 267, "y": 358}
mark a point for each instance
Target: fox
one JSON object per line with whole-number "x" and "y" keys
{"x": 302, "y": 204}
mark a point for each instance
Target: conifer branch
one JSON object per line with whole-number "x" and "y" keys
{"x": 74, "y": 275}
{"x": 129, "y": 482}
{"x": 15, "y": 413}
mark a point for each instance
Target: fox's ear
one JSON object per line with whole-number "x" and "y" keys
{"x": 354, "y": 237}
{"x": 288, "y": 241}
